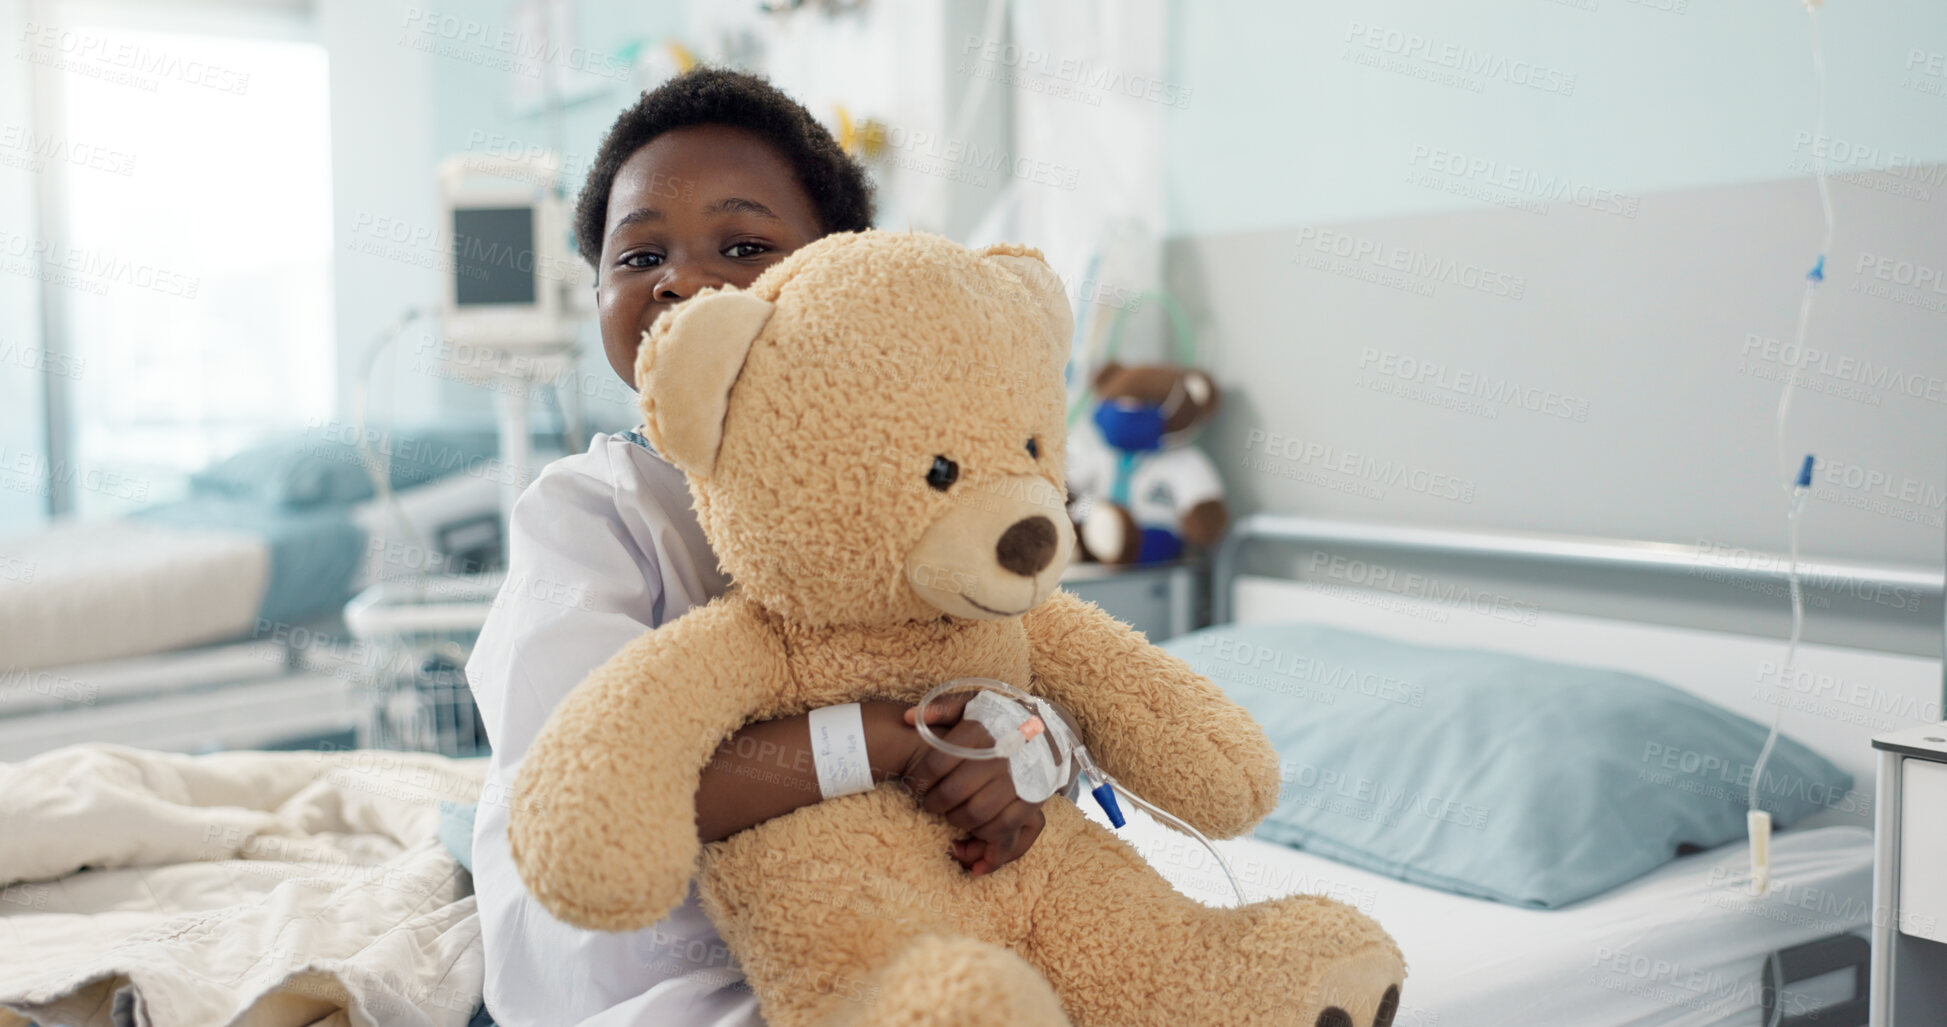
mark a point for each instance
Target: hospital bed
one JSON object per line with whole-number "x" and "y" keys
{"x": 211, "y": 623}
{"x": 1679, "y": 945}
{"x": 1682, "y": 945}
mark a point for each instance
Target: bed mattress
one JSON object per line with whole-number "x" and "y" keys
{"x": 1683, "y": 945}
{"x": 214, "y": 569}
{"x": 109, "y": 589}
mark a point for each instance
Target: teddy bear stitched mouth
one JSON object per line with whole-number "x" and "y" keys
{"x": 1004, "y": 613}
{"x": 989, "y": 609}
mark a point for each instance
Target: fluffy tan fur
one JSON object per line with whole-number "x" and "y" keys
{"x": 856, "y": 578}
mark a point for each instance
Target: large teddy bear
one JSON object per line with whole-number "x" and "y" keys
{"x": 873, "y": 437}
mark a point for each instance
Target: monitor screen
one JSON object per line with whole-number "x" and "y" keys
{"x": 493, "y": 256}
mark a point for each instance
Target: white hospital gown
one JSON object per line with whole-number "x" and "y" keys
{"x": 603, "y": 547}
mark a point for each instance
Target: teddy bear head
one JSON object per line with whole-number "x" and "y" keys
{"x": 1146, "y": 405}
{"x": 874, "y": 430}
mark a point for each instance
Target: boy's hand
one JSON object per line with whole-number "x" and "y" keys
{"x": 976, "y": 796}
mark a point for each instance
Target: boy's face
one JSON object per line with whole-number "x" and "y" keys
{"x": 701, "y": 206}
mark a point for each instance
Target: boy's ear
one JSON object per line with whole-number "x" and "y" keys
{"x": 685, "y": 369}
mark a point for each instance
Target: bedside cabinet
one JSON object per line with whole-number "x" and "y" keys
{"x": 1161, "y": 600}
{"x": 1909, "y": 980}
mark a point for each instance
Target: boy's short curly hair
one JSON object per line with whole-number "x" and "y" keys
{"x": 839, "y": 190}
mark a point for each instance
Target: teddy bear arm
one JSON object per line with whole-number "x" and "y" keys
{"x": 1159, "y": 727}
{"x": 603, "y": 826}
{"x": 1199, "y": 494}
{"x": 1205, "y": 522}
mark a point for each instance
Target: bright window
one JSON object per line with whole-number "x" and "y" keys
{"x": 197, "y": 235}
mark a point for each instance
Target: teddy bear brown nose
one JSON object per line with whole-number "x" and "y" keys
{"x": 1027, "y": 545}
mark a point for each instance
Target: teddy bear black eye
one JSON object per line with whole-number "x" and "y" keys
{"x": 1034, "y": 449}
{"x": 944, "y": 473}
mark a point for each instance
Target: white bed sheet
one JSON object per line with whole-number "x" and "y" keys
{"x": 240, "y": 888}
{"x": 1682, "y": 946}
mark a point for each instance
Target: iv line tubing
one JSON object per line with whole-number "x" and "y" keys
{"x": 1057, "y": 729}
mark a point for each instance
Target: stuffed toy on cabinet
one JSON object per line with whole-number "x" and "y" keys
{"x": 1140, "y": 489}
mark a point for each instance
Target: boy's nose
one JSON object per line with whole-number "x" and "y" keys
{"x": 682, "y": 281}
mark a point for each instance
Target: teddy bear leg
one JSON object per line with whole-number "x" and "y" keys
{"x": 954, "y": 981}
{"x": 933, "y": 980}
{"x": 1124, "y": 948}
{"x": 853, "y": 912}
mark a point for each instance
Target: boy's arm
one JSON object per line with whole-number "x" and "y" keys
{"x": 765, "y": 769}
{"x": 1150, "y": 720}
{"x": 607, "y": 558}
{"x": 602, "y": 824}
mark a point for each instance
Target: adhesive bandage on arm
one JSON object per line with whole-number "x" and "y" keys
{"x": 838, "y": 750}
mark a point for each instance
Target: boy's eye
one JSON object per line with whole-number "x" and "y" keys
{"x": 642, "y": 260}
{"x": 746, "y": 249}
{"x": 943, "y": 474}
{"x": 1034, "y": 449}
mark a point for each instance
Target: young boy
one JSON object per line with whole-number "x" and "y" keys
{"x": 706, "y": 181}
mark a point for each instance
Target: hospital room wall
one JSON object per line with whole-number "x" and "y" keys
{"x": 382, "y": 162}
{"x": 404, "y": 96}
{"x": 883, "y": 62}
{"x": 477, "y": 108}
{"x": 1652, "y": 317}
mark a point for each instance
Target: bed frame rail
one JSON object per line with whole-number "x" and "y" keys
{"x": 1557, "y": 551}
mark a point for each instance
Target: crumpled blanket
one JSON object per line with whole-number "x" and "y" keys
{"x": 251, "y": 888}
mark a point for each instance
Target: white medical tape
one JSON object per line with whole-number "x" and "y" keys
{"x": 1031, "y": 765}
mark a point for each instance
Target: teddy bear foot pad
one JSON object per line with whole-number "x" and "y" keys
{"x": 1333, "y": 1016}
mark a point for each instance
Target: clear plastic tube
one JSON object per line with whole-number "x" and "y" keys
{"x": 1171, "y": 820}
{"x": 379, "y": 468}
{"x": 1796, "y": 481}
{"x": 1791, "y": 644}
{"x": 1003, "y": 747}
{"x": 1067, "y": 747}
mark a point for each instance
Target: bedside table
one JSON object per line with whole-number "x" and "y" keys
{"x": 1161, "y": 600}
{"x": 1909, "y": 916}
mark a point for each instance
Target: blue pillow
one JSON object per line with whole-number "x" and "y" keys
{"x": 304, "y": 469}
{"x": 1488, "y": 774}
{"x": 456, "y": 830}
{"x": 288, "y": 471}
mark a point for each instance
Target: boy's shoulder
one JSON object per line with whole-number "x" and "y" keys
{"x": 618, "y": 512}
{"x": 615, "y": 469}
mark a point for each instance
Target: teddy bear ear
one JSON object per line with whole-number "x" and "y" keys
{"x": 685, "y": 369}
{"x": 1042, "y": 281}
{"x": 1106, "y": 376}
